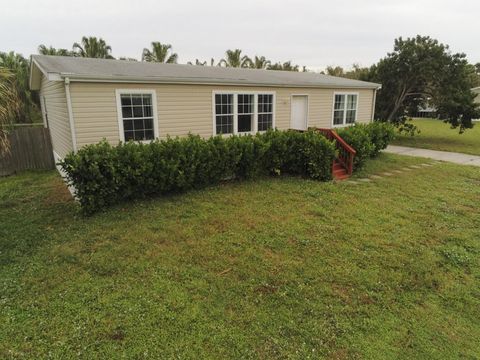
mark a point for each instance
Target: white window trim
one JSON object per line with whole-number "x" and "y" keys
{"x": 308, "y": 108}
{"x": 153, "y": 93}
{"x": 235, "y": 109}
{"x": 344, "y": 124}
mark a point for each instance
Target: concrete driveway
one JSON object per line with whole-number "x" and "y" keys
{"x": 457, "y": 158}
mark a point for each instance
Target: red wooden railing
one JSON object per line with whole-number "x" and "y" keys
{"x": 345, "y": 152}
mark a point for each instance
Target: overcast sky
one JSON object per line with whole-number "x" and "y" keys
{"x": 312, "y": 33}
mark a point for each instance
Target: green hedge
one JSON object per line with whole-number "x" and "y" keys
{"x": 367, "y": 139}
{"x": 103, "y": 174}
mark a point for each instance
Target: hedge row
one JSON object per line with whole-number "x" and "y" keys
{"x": 367, "y": 140}
{"x": 103, "y": 174}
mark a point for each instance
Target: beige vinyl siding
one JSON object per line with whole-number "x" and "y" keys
{"x": 188, "y": 108}
{"x": 56, "y": 109}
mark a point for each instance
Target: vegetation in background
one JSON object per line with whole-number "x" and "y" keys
{"x": 436, "y": 135}
{"x": 421, "y": 69}
{"x": 91, "y": 47}
{"x": 234, "y": 58}
{"x": 25, "y": 108}
{"x": 273, "y": 268}
{"x": 10, "y": 104}
{"x": 161, "y": 53}
{"x": 44, "y": 50}
{"x": 103, "y": 174}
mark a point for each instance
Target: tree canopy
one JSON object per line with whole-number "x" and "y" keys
{"x": 234, "y": 58}
{"x": 421, "y": 69}
{"x": 92, "y": 47}
{"x": 161, "y": 53}
{"x": 19, "y": 68}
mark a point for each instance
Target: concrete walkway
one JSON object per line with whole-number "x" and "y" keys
{"x": 453, "y": 157}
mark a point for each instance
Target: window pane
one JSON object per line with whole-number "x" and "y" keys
{"x": 138, "y": 124}
{"x": 139, "y": 135}
{"x": 265, "y": 122}
{"x": 137, "y": 111}
{"x": 126, "y": 100}
{"x": 339, "y": 102}
{"x": 128, "y": 135}
{"x": 127, "y": 112}
{"x": 137, "y": 99}
{"x": 147, "y": 99}
{"x": 147, "y": 111}
{"x": 149, "y": 135}
{"x": 224, "y": 124}
{"x": 352, "y": 102}
{"x": 245, "y": 123}
{"x": 127, "y": 125}
{"x": 223, "y": 104}
{"x": 148, "y": 123}
{"x": 245, "y": 104}
{"x": 350, "y": 116}
{"x": 338, "y": 117}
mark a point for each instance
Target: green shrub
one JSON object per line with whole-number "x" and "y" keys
{"x": 367, "y": 139}
{"x": 358, "y": 138}
{"x": 103, "y": 174}
{"x": 381, "y": 134}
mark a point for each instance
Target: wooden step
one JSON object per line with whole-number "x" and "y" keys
{"x": 339, "y": 172}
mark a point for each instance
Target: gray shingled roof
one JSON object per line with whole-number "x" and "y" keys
{"x": 102, "y": 69}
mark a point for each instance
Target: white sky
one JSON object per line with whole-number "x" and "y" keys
{"x": 312, "y": 33}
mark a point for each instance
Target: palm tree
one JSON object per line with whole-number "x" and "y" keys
{"x": 197, "y": 62}
{"x": 260, "y": 62}
{"x": 234, "y": 58}
{"x": 92, "y": 47}
{"x": 44, "y": 50}
{"x": 9, "y": 105}
{"x": 161, "y": 53}
{"x": 286, "y": 66}
{"x": 19, "y": 67}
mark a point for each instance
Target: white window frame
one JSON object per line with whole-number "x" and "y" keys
{"x": 153, "y": 93}
{"x": 344, "y": 122}
{"x": 235, "y": 94}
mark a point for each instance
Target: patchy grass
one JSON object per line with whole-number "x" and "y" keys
{"x": 274, "y": 268}
{"x": 437, "y": 135}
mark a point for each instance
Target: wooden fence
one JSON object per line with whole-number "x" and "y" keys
{"x": 30, "y": 148}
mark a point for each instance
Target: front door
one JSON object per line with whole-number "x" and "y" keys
{"x": 299, "y": 119}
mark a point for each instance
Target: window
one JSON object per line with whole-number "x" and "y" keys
{"x": 265, "y": 112}
{"x": 345, "y": 109}
{"x": 243, "y": 112}
{"x": 224, "y": 113}
{"x": 137, "y": 115}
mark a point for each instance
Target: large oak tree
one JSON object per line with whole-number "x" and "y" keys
{"x": 421, "y": 70}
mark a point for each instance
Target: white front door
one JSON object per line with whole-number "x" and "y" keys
{"x": 299, "y": 119}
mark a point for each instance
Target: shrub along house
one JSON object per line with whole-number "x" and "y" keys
{"x": 85, "y": 100}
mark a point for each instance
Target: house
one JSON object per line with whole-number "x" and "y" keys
{"x": 476, "y": 90}
{"x": 85, "y": 100}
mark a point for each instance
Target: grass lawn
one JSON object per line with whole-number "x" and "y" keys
{"x": 275, "y": 268}
{"x": 437, "y": 135}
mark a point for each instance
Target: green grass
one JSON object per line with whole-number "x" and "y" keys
{"x": 437, "y": 135}
{"x": 273, "y": 268}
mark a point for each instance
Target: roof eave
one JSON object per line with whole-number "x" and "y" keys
{"x": 165, "y": 80}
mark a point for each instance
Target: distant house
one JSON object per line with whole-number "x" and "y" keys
{"x": 476, "y": 90}
{"x": 85, "y": 100}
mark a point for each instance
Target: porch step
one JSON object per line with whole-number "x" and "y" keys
{"x": 339, "y": 172}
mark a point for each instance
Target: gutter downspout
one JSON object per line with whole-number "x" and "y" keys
{"x": 374, "y": 102}
{"x": 70, "y": 114}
